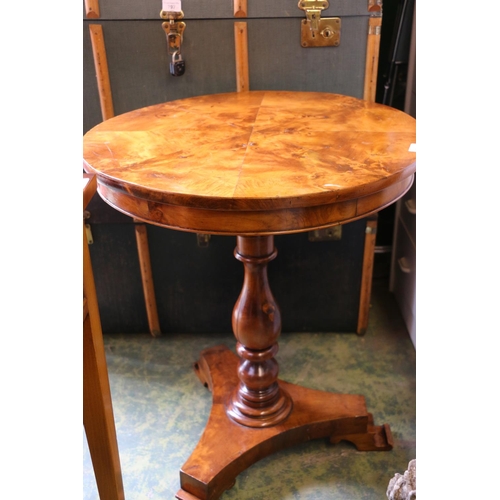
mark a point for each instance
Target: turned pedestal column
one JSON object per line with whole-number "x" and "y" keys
{"x": 258, "y": 401}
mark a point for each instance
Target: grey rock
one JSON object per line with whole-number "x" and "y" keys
{"x": 404, "y": 487}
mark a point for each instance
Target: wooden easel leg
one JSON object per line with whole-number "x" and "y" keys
{"x": 98, "y": 420}
{"x": 98, "y": 416}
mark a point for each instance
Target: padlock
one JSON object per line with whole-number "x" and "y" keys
{"x": 178, "y": 65}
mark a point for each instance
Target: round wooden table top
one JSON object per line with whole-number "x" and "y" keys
{"x": 259, "y": 162}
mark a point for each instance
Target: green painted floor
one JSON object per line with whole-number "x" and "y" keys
{"x": 161, "y": 409}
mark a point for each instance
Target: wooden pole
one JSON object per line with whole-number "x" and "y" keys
{"x": 372, "y": 56}
{"x": 101, "y": 68}
{"x": 105, "y": 96}
{"x": 241, "y": 46}
{"x": 92, "y": 9}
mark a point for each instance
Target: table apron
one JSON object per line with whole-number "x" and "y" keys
{"x": 251, "y": 222}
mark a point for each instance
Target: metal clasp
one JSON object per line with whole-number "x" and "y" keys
{"x": 177, "y": 66}
{"x": 317, "y": 31}
{"x": 313, "y": 10}
{"x": 174, "y": 30}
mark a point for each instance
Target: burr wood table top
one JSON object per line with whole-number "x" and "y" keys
{"x": 259, "y": 162}
{"x": 255, "y": 164}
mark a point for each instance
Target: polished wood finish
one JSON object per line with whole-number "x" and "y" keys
{"x": 226, "y": 448}
{"x": 258, "y": 401}
{"x": 251, "y": 222}
{"x": 250, "y": 163}
{"x": 241, "y": 52}
{"x": 98, "y": 418}
{"x": 254, "y": 164}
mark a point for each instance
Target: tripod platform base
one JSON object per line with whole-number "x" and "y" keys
{"x": 227, "y": 448}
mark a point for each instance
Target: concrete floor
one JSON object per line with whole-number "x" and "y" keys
{"x": 161, "y": 408}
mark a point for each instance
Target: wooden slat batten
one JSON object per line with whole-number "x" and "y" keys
{"x": 101, "y": 68}
{"x": 92, "y": 10}
{"x": 372, "y": 57}
{"x": 367, "y": 275}
{"x": 241, "y": 50}
{"x": 240, "y": 8}
{"x": 147, "y": 278}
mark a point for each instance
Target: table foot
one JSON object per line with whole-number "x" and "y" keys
{"x": 227, "y": 448}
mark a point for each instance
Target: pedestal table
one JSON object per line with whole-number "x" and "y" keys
{"x": 255, "y": 164}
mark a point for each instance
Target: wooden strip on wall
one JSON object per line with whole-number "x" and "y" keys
{"x": 374, "y": 5}
{"x": 92, "y": 9}
{"x": 101, "y": 68}
{"x": 372, "y": 55}
{"x": 147, "y": 278}
{"x": 241, "y": 46}
{"x": 367, "y": 275}
{"x": 240, "y": 8}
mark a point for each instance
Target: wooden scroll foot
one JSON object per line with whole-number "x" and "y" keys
{"x": 227, "y": 448}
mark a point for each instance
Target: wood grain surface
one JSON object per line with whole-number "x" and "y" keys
{"x": 226, "y": 449}
{"x": 258, "y": 162}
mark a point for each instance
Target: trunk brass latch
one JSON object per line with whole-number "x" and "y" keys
{"x": 174, "y": 29}
{"x": 316, "y": 31}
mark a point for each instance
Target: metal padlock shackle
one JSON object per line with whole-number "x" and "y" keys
{"x": 177, "y": 66}
{"x": 176, "y": 56}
